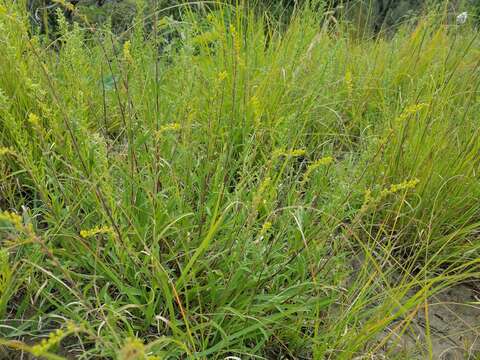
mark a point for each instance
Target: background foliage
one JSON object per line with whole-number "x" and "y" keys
{"x": 221, "y": 183}
{"x": 370, "y": 14}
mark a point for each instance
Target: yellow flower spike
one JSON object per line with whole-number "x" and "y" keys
{"x": 133, "y": 349}
{"x": 297, "y": 152}
{"x": 14, "y": 219}
{"x": 127, "y": 55}
{"x": 315, "y": 165}
{"x": 369, "y": 200}
{"x": 96, "y": 231}
{"x": 172, "y": 127}
{"x": 54, "y": 338}
{"x": 290, "y": 153}
{"x": 410, "y": 184}
{"x": 222, "y": 75}
{"x": 34, "y": 120}
{"x": 266, "y": 226}
{"x": 237, "y": 45}
{"x": 411, "y": 110}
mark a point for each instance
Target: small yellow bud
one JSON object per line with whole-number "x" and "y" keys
{"x": 172, "y": 127}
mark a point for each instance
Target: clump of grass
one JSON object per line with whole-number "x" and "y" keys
{"x": 205, "y": 197}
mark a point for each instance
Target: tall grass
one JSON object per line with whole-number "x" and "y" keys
{"x": 220, "y": 186}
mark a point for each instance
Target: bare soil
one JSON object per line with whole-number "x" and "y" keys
{"x": 454, "y": 319}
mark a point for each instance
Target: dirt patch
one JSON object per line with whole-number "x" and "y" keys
{"x": 454, "y": 318}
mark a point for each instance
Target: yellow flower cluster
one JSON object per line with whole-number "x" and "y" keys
{"x": 133, "y": 349}
{"x": 258, "y": 198}
{"x": 127, "y": 55}
{"x": 96, "y": 231}
{"x": 53, "y": 339}
{"x": 237, "y": 45}
{"x": 236, "y": 38}
{"x": 289, "y": 153}
{"x": 222, "y": 75}
{"x": 5, "y": 151}
{"x": 315, "y": 165}
{"x": 266, "y": 226}
{"x": 411, "y": 110}
{"x": 370, "y": 200}
{"x": 34, "y": 119}
{"x": 172, "y": 127}
{"x": 16, "y": 221}
{"x": 409, "y": 184}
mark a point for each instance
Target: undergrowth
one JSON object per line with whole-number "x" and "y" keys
{"x": 220, "y": 186}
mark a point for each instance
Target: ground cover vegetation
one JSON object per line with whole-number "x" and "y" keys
{"x": 221, "y": 184}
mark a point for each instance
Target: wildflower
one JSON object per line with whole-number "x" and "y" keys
{"x": 53, "y": 338}
{"x": 14, "y": 219}
{"x": 34, "y": 120}
{"x": 369, "y": 200}
{"x": 222, "y": 76}
{"x": 266, "y": 226}
{"x": 410, "y": 184}
{"x": 127, "y": 55}
{"x": 132, "y": 350}
{"x": 5, "y": 151}
{"x": 394, "y": 188}
{"x": 96, "y": 231}
{"x": 462, "y": 18}
{"x": 237, "y": 45}
{"x": 315, "y": 165}
{"x": 290, "y": 153}
{"x": 172, "y": 127}
{"x": 262, "y": 193}
{"x": 17, "y": 222}
{"x": 411, "y": 110}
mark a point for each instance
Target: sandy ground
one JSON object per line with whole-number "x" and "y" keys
{"x": 454, "y": 317}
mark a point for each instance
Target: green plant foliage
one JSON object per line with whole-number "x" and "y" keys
{"x": 214, "y": 184}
